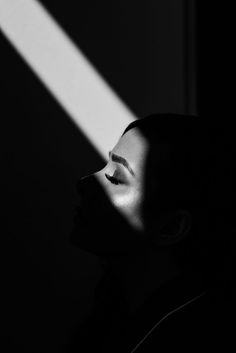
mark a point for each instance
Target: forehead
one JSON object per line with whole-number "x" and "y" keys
{"x": 133, "y": 146}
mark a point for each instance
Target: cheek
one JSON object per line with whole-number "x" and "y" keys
{"x": 127, "y": 200}
{"x": 129, "y": 203}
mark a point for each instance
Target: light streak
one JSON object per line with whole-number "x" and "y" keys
{"x": 65, "y": 71}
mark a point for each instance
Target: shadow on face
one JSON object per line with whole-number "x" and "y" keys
{"x": 136, "y": 203}
{"x": 118, "y": 211}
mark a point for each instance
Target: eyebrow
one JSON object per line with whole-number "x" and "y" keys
{"x": 121, "y": 160}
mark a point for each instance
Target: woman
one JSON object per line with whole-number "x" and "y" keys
{"x": 158, "y": 218}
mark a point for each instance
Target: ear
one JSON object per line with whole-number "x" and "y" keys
{"x": 174, "y": 227}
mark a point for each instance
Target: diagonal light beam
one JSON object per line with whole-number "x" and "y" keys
{"x": 65, "y": 71}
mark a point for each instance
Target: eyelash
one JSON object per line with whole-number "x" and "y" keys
{"x": 113, "y": 180}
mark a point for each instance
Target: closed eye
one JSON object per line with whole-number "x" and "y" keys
{"x": 113, "y": 179}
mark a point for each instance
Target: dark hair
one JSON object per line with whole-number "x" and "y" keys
{"x": 196, "y": 174}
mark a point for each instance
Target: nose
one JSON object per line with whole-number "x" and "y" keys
{"x": 84, "y": 183}
{"x": 90, "y": 187}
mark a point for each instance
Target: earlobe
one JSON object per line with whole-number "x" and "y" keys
{"x": 186, "y": 222}
{"x": 176, "y": 226}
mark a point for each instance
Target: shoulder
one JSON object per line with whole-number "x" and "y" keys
{"x": 202, "y": 324}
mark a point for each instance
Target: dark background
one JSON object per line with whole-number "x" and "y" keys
{"x": 157, "y": 60}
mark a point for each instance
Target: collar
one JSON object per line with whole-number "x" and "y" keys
{"x": 165, "y": 301}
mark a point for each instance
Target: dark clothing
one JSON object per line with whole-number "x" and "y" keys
{"x": 202, "y": 324}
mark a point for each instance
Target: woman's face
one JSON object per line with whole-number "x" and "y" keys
{"x": 109, "y": 215}
{"x": 118, "y": 204}
{"x": 122, "y": 179}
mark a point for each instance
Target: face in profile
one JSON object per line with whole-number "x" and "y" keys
{"x": 123, "y": 177}
{"x": 109, "y": 216}
{"x": 125, "y": 206}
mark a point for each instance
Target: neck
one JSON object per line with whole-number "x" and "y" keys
{"x": 138, "y": 276}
